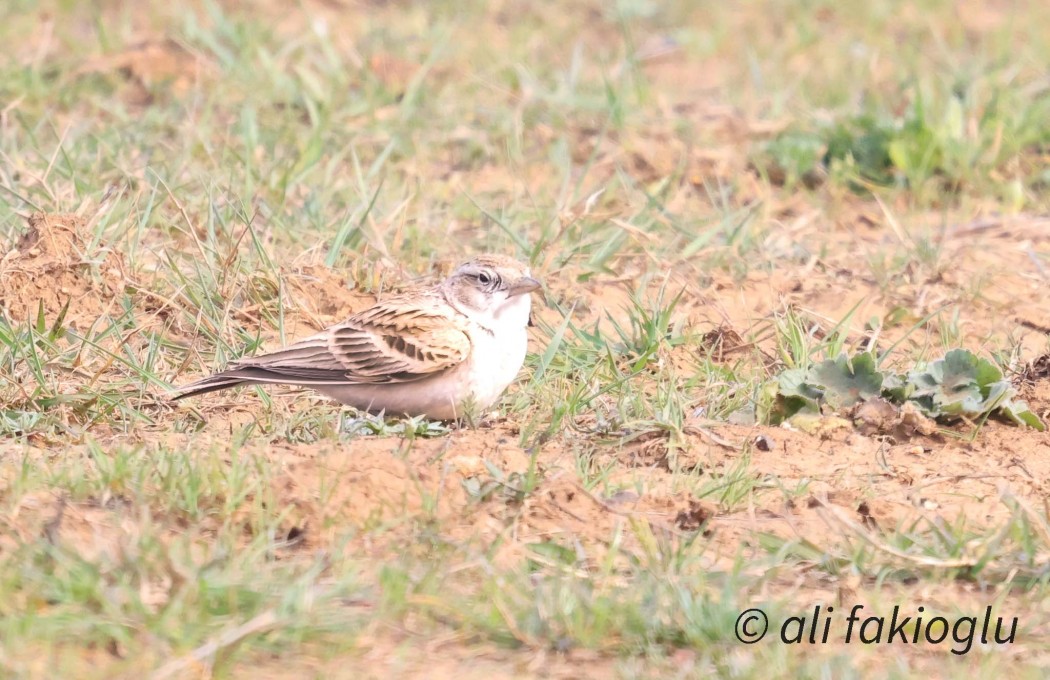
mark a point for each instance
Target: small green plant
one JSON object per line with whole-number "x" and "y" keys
{"x": 960, "y": 385}
{"x": 794, "y": 157}
{"x": 951, "y": 135}
{"x": 513, "y": 487}
{"x": 650, "y": 327}
{"x": 378, "y": 426}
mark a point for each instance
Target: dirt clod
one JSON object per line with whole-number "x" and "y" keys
{"x": 55, "y": 263}
{"x": 875, "y": 416}
{"x": 722, "y": 342}
{"x": 764, "y": 443}
{"x": 1037, "y": 369}
{"x": 693, "y": 517}
{"x": 150, "y": 67}
{"x": 880, "y": 417}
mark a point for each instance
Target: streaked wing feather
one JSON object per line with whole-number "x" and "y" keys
{"x": 390, "y": 342}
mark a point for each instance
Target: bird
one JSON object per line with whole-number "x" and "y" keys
{"x": 444, "y": 352}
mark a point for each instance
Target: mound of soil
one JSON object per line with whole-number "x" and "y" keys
{"x": 53, "y": 264}
{"x": 324, "y": 294}
{"x": 156, "y": 67}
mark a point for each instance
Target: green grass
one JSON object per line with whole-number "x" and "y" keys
{"x": 796, "y": 172}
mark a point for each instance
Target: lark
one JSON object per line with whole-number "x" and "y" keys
{"x": 436, "y": 352}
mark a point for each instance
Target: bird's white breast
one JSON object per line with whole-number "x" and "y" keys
{"x": 497, "y": 357}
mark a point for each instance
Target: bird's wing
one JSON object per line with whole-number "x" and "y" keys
{"x": 398, "y": 340}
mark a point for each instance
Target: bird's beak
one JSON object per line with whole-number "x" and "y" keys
{"x": 525, "y": 284}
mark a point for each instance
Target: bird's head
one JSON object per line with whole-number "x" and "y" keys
{"x": 492, "y": 289}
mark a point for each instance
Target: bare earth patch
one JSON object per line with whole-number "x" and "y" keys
{"x": 190, "y": 170}
{"x": 369, "y": 496}
{"x": 55, "y": 265}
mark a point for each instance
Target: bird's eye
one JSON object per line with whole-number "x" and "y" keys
{"x": 484, "y": 278}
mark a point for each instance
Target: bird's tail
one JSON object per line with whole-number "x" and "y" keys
{"x": 214, "y": 383}
{"x": 256, "y": 375}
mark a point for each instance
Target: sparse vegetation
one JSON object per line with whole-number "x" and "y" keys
{"x": 743, "y": 213}
{"x": 957, "y": 386}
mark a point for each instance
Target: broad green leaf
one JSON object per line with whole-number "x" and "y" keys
{"x": 848, "y": 382}
{"x": 769, "y": 404}
{"x": 1019, "y": 413}
{"x": 927, "y": 381}
{"x": 792, "y": 383}
{"x": 895, "y": 387}
{"x": 958, "y": 385}
{"x": 794, "y": 395}
{"x": 987, "y": 374}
